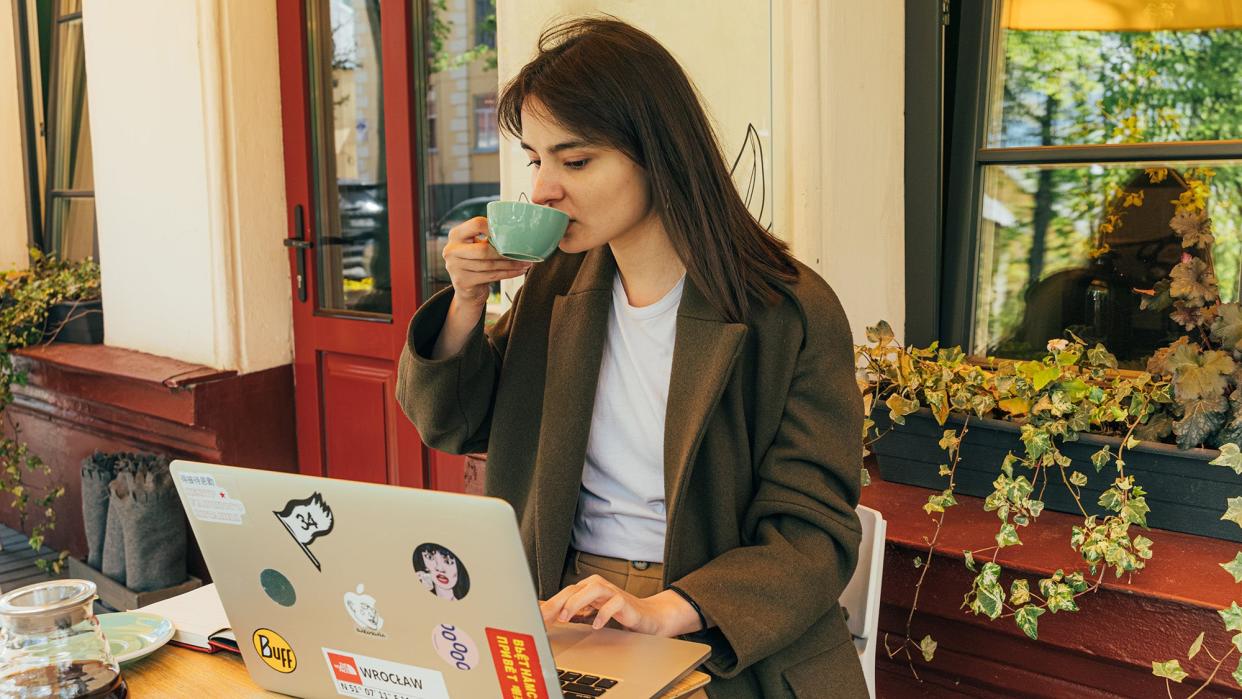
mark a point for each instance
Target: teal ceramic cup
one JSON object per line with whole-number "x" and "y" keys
{"x": 522, "y": 231}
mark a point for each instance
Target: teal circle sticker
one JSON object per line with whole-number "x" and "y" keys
{"x": 278, "y": 587}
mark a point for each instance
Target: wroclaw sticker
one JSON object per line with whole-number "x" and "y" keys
{"x": 356, "y": 675}
{"x": 274, "y": 651}
{"x": 208, "y": 502}
{"x": 455, "y": 646}
{"x": 306, "y": 520}
{"x": 517, "y": 664}
{"x": 361, "y": 608}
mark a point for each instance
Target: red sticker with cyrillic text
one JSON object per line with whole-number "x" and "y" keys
{"x": 517, "y": 665}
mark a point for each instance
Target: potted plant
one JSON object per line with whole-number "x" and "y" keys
{"x": 26, "y": 295}
{"x": 1069, "y": 430}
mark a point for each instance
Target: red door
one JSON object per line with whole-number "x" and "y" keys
{"x": 351, "y": 126}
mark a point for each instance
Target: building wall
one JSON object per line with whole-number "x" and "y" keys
{"x": 185, "y": 111}
{"x": 12, "y": 169}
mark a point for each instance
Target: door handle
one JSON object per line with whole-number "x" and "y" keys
{"x": 298, "y": 245}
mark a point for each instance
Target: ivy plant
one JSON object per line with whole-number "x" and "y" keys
{"x": 25, "y": 297}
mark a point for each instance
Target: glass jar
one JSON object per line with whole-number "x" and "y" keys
{"x": 51, "y": 644}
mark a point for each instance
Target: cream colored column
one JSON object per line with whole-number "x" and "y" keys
{"x": 13, "y": 224}
{"x": 839, "y": 102}
{"x": 189, "y": 171}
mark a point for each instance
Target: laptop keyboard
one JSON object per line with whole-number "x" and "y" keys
{"x": 575, "y": 685}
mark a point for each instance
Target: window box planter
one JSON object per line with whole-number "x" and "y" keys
{"x": 1185, "y": 493}
{"x": 80, "y": 322}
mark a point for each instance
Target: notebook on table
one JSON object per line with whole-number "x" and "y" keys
{"x": 198, "y": 619}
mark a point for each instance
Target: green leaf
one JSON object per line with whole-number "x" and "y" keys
{"x": 1237, "y": 641}
{"x": 1232, "y": 617}
{"x": 866, "y": 477}
{"x": 1045, "y": 376}
{"x": 970, "y": 560}
{"x": 1194, "y": 647}
{"x": 1028, "y": 620}
{"x": 1230, "y": 457}
{"x": 1020, "y": 592}
{"x": 1237, "y": 674}
{"x": 1100, "y": 459}
{"x": 1234, "y": 513}
{"x": 1234, "y": 567}
{"x": 1170, "y": 669}
{"x": 928, "y": 647}
{"x": 1007, "y": 536}
{"x": 918, "y": 561}
{"x": 1078, "y": 479}
{"x": 944, "y": 470}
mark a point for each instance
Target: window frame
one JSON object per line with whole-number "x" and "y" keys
{"x": 940, "y": 299}
{"x": 475, "y": 113}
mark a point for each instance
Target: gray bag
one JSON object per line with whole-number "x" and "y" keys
{"x": 97, "y": 473}
{"x": 155, "y": 529}
{"x": 113, "y": 562}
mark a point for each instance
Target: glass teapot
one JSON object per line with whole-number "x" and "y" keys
{"x": 51, "y": 644}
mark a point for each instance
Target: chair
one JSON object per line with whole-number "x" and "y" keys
{"x": 861, "y": 597}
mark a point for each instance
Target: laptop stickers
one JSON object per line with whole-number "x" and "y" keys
{"x": 517, "y": 664}
{"x": 455, "y": 646}
{"x": 306, "y": 520}
{"x": 274, "y": 651}
{"x": 441, "y": 573}
{"x": 208, "y": 501}
{"x": 361, "y": 608}
{"x": 356, "y": 675}
{"x": 277, "y": 587}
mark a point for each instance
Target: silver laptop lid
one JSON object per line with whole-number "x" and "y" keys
{"x": 337, "y": 588}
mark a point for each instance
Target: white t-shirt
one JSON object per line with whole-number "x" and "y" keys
{"x": 621, "y": 502}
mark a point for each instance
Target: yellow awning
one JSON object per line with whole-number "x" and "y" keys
{"x": 1121, "y": 15}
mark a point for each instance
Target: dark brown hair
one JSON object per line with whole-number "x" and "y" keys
{"x": 613, "y": 84}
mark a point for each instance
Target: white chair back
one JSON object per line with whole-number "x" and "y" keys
{"x": 861, "y": 597}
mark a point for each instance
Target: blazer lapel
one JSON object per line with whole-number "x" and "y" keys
{"x": 706, "y": 349}
{"x": 576, "y": 335}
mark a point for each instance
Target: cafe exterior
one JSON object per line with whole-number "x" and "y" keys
{"x": 267, "y": 188}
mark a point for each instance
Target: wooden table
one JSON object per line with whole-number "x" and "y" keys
{"x": 179, "y": 672}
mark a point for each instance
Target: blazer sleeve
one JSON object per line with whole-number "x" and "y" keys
{"x": 450, "y": 400}
{"x": 801, "y": 532}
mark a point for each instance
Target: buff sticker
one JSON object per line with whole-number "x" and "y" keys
{"x": 356, "y": 675}
{"x": 517, "y": 665}
{"x": 209, "y": 502}
{"x": 455, "y": 646}
{"x": 274, "y": 651}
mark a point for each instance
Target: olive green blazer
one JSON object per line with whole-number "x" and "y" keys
{"x": 762, "y": 457}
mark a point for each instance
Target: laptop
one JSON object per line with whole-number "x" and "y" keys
{"x": 338, "y": 588}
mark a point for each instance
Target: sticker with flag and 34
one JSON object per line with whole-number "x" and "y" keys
{"x": 306, "y": 520}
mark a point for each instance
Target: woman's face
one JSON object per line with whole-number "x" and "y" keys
{"x": 443, "y": 568}
{"x": 604, "y": 192}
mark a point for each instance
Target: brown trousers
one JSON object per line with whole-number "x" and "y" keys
{"x": 637, "y": 578}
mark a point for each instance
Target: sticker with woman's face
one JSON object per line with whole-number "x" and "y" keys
{"x": 440, "y": 572}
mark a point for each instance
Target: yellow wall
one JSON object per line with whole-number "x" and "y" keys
{"x": 189, "y": 172}
{"x": 13, "y": 226}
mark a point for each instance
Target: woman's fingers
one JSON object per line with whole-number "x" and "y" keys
{"x": 618, "y": 606}
{"x": 468, "y": 231}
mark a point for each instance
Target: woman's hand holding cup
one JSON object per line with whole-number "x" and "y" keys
{"x": 473, "y": 265}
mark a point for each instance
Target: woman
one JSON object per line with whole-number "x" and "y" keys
{"x": 440, "y": 572}
{"x": 670, "y": 403}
